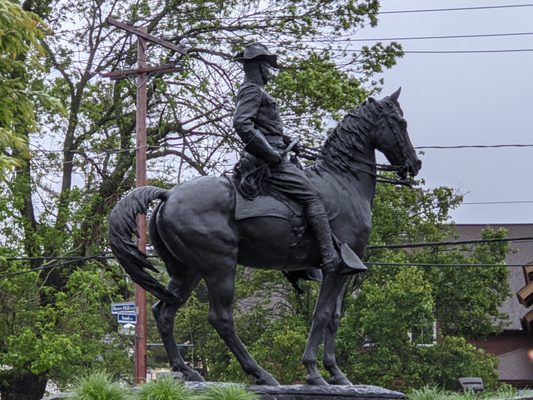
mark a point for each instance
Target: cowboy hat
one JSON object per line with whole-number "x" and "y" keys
{"x": 257, "y": 51}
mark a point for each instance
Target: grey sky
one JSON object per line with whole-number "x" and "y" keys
{"x": 468, "y": 99}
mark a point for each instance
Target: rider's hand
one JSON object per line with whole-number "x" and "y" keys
{"x": 275, "y": 158}
{"x": 296, "y": 149}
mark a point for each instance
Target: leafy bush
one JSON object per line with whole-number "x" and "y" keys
{"x": 454, "y": 358}
{"x": 98, "y": 386}
{"x": 432, "y": 393}
{"x": 164, "y": 389}
{"x": 227, "y": 392}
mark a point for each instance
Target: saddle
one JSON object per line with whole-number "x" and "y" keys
{"x": 254, "y": 199}
{"x": 271, "y": 203}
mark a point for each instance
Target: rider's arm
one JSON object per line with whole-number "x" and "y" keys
{"x": 248, "y": 103}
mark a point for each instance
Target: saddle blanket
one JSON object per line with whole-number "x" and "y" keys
{"x": 266, "y": 206}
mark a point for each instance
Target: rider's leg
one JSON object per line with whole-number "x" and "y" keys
{"x": 319, "y": 224}
{"x": 287, "y": 178}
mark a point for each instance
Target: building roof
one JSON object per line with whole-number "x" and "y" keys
{"x": 520, "y": 253}
{"x": 516, "y": 365}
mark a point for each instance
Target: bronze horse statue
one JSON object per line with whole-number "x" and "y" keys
{"x": 196, "y": 234}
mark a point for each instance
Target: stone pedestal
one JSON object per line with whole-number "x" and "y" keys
{"x": 300, "y": 392}
{"x": 305, "y": 392}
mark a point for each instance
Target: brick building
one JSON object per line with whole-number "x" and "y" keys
{"x": 514, "y": 346}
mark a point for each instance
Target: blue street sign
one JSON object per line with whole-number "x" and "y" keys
{"x": 123, "y": 308}
{"x": 127, "y": 318}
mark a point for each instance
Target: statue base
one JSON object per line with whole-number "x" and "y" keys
{"x": 299, "y": 392}
{"x": 306, "y": 392}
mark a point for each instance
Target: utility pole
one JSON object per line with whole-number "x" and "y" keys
{"x": 142, "y": 72}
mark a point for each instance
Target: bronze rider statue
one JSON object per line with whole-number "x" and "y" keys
{"x": 258, "y": 124}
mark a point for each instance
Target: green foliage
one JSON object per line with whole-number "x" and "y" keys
{"x": 434, "y": 393}
{"x": 406, "y": 298}
{"x": 227, "y": 392}
{"x": 278, "y": 348}
{"x": 164, "y": 389}
{"x": 302, "y": 88}
{"x": 473, "y": 311}
{"x": 65, "y": 336}
{"x": 19, "y": 33}
{"x": 378, "y": 322}
{"x": 466, "y": 360}
{"x": 98, "y": 386}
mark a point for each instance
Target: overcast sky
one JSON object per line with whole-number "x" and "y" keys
{"x": 468, "y": 99}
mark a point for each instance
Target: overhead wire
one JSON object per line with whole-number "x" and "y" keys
{"x": 152, "y": 147}
{"x": 468, "y": 203}
{"x": 471, "y": 8}
{"x": 463, "y": 36}
{"x": 340, "y": 14}
{"x": 414, "y": 264}
{"x": 386, "y": 51}
{"x": 104, "y": 256}
{"x": 449, "y": 243}
{"x": 474, "y": 146}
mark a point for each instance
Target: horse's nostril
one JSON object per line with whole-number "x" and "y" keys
{"x": 418, "y": 165}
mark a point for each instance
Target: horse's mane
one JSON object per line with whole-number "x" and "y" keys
{"x": 350, "y": 134}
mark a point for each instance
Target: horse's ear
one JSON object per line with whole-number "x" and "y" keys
{"x": 395, "y": 95}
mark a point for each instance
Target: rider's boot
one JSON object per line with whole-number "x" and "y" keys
{"x": 318, "y": 221}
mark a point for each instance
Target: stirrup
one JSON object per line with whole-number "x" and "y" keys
{"x": 351, "y": 263}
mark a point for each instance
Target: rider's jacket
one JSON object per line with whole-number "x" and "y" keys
{"x": 257, "y": 122}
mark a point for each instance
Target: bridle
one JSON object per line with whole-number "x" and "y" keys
{"x": 403, "y": 169}
{"x": 312, "y": 154}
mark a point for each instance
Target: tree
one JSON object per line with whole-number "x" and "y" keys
{"x": 55, "y": 204}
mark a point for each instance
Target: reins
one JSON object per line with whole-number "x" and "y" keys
{"x": 312, "y": 154}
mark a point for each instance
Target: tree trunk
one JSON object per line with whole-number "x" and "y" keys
{"x": 25, "y": 386}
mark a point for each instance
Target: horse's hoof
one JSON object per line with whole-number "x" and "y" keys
{"x": 316, "y": 381}
{"x": 340, "y": 380}
{"x": 267, "y": 380}
{"x": 193, "y": 376}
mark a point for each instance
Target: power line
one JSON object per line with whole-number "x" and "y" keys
{"x": 262, "y": 18}
{"x": 385, "y": 51}
{"x": 498, "y": 202}
{"x": 370, "y": 263}
{"x": 170, "y": 146}
{"x": 466, "y": 265}
{"x": 448, "y": 243}
{"x": 474, "y": 146}
{"x": 455, "y": 9}
{"x": 465, "y": 51}
{"x": 73, "y": 259}
{"x": 463, "y": 36}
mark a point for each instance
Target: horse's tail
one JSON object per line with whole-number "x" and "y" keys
{"x": 122, "y": 227}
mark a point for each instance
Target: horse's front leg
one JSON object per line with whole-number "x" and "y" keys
{"x": 221, "y": 288}
{"x": 325, "y": 306}
{"x": 329, "y": 361}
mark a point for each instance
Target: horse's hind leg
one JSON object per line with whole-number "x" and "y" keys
{"x": 329, "y": 361}
{"x": 164, "y": 314}
{"x": 221, "y": 287}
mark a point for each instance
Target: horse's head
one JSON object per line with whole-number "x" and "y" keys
{"x": 392, "y": 138}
